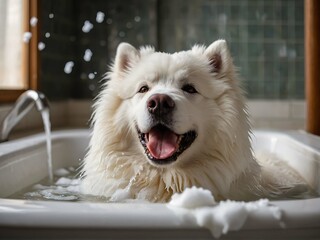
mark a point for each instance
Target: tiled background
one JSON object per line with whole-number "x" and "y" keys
{"x": 265, "y": 37}
{"x": 133, "y": 21}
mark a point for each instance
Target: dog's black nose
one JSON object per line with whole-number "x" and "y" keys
{"x": 159, "y": 104}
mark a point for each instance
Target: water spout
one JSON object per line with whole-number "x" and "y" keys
{"x": 22, "y": 106}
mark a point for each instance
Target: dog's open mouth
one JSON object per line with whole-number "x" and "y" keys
{"x": 163, "y": 146}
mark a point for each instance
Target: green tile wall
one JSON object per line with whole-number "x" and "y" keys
{"x": 60, "y": 47}
{"x": 131, "y": 21}
{"x": 265, "y": 37}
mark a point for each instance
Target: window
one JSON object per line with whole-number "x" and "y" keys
{"x": 18, "y": 48}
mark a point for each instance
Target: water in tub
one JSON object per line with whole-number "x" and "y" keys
{"x": 64, "y": 185}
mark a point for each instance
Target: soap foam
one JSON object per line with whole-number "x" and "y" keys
{"x": 26, "y": 37}
{"x": 65, "y": 188}
{"x": 100, "y": 17}
{"x": 87, "y": 55}
{"x": 33, "y": 21}
{"x": 68, "y": 67}
{"x": 220, "y": 217}
{"x": 87, "y": 26}
{"x": 193, "y": 198}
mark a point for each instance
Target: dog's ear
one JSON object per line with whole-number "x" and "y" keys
{"x": 126, "y": 56}
{"x": 218, "y": 56}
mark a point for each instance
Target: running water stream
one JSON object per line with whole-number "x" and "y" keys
{"x": 47, "y": 128}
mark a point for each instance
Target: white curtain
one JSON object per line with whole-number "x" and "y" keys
{"x": 11, "y": 30}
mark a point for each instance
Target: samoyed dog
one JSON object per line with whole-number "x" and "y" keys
{"x": 166, "y": 122}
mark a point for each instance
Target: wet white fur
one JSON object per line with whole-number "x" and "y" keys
{"x": 220, "y": 159}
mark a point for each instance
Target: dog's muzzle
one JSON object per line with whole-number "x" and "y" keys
{"x": 161, "y": 144}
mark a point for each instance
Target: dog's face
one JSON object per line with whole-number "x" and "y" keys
{"x": 171, "y": 100}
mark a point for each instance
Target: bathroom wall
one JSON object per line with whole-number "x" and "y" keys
{"x": 59, "y": 34}
{"x": 68, "y": 23}
{"x": 265, "y": 37}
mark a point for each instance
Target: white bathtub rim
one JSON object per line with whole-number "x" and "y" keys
{"x": 299, "y": 137}
{"x": 14, "y": 213}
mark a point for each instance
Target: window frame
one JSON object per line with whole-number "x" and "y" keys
{"x": 30, "y": 54}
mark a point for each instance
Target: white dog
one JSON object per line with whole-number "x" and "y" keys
{"x": 165, "y": 122}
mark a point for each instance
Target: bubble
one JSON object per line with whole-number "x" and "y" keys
{"x": 129, "y": 25}
{"x": 100, "y": 17}
{"x": 87, "y": 26}
{"x": 26, "y": 37}
{"x": 137, "y": 18}
{"x": 91, "y": 76}
{"x": 109, "y": 20}
{"x": 87, "y": 55}
{"x": 33, "y": 21}
{"x": 68, "y": 67}
{"x": 41, "y": 46}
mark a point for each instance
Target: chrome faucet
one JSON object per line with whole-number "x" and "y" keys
{"x": 21, "y": 107}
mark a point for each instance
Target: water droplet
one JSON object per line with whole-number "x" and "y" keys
{"x": 129, "y": 25}
{"x": 87, "y": 55}
{"x": 137, "y": 18}
{"x": 68, "y": 67}
{"x": 33, "y": 21}
{"x": 41, "y": 46}
{"x": 26, "y": 37}
{"x": 91, "y": 76}
{"x": 100, "y": 17}
{"x": 109, "y": 20}
{"x": 87, "y": 26}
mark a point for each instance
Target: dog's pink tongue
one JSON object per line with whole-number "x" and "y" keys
{"x": 162, "y": 143}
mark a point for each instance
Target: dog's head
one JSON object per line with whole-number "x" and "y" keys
{"x": 175, "y": 103}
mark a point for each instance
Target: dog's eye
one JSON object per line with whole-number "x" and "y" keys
{"x": 144, "y": 89}
{"x": 189, "y": 89}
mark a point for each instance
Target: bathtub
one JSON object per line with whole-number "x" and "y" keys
{"x": 23, "y": 163}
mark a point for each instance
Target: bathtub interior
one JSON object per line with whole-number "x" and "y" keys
{"x": 23, "y": 162}
{"x": 299, "y": 150}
